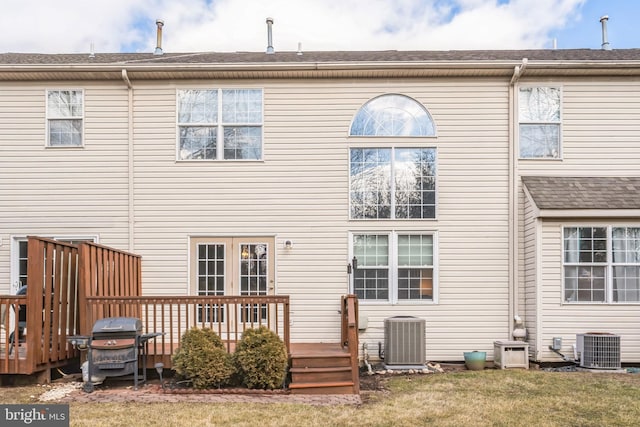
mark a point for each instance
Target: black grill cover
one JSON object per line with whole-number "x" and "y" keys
{"x": 118, "y": 325}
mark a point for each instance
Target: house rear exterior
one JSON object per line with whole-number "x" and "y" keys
{"x": 415, "y": 180}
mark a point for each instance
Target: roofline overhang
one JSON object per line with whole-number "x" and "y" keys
{"x": 146, "y": 71}
{"x": 546, "y": 213}
{"x": 586, "y": 213}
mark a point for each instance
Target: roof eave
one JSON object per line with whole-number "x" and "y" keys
{"x": 141, "y": 71}
{"x": 587, "y": 213}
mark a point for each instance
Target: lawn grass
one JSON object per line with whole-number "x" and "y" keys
{"x": 485, "y": 398}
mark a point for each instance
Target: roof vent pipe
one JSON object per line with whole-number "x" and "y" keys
{"x": 270, "y": 36}
{"x": 605, "y": 40}
{"x": 160, "y": 24}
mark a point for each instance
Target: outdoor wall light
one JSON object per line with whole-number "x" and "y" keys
{"x": 288, "y": 244}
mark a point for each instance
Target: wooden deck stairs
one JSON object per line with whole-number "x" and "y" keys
{"x": 321, "y": 369}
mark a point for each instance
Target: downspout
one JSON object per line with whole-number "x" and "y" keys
{"x": 513, "y": 273}
{"x": 130, "y": 165}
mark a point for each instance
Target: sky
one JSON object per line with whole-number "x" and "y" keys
{"x": 73, "y": 26}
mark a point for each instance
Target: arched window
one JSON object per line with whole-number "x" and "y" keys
{"x": 392, "y": 115}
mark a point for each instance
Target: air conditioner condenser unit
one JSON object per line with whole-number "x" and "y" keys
{"x": 598, "y": 350}
{"x": 404, "y": 342}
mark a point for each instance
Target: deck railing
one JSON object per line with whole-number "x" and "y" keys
{"x": 349, "y": 334}
{"x": 228, "y": 316}
{"x": 12, "y": 310}
{"x": 71, "y": 286}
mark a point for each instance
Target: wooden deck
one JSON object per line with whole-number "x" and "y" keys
{"x": 70, "y": 287}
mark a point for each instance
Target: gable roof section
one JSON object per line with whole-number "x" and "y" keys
{"x": 391, "y": 63}
{"x": 583, "y": 196}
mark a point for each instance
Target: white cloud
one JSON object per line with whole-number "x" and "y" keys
{"x": 237, "y": 25}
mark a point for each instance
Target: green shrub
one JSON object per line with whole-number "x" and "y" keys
{"x": 261, "y": 359}
{"x": 203, "y": 359}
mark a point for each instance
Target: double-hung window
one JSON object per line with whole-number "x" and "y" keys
{"x": 65, "y": 115}
{"x": 393, "y": 267}
{"x": 392, "y": 183}
{"x": 601, "y": 264}
{"x": 539, "y": 122}
{"x": 220, "y": 124}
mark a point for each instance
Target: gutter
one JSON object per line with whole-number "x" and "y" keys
{"x": 518, "y": 71}
{"x": 130, "y": 165}
{"x": 149, "y": 70}
{"x": 125, "y": 77}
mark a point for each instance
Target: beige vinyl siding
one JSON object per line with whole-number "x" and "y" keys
{"x": 62, "y": 191}
{"x": 530, "y": 291}
{"x": 567, "y": 320}
{"x": 300, "y": 192}
{"x": 599, "y": 135}
{"x": 600, "y": 129}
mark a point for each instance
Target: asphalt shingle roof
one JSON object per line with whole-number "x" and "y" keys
{"x": 552, "y": 192}
{"x": 471, "y": 56}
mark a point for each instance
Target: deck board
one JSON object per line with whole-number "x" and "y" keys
{"x": 317, "y": 349}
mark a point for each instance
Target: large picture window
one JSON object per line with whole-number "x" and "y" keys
{"x": 601, "y": 264}
{"x": 220, "y": 124}
{"x": 393, "y": 183}
{"x": 539, "y": 118}
{"x": 394, "y": 267}
{"x": 65, "y": 112}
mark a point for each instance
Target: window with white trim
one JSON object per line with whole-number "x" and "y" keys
{"x": 394, "y": 267}
{"x": 392, "y": 115}
{"x": 601, "y": 264}
{"x": 392, "y": 183}
{"x": 65, "y": 117}
{"x": 539, "y": 122}
{"x": 219, "y": 124}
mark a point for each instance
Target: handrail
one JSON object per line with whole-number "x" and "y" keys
{"x": 349, "y": 335}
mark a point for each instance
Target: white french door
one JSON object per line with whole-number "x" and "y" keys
{"x": 241, "y": 266}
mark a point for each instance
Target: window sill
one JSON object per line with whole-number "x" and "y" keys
{"x": 541, "y": 159}
{"x": 63, "y": 147}
{"x": 219, "y": 161}
{"x": 608, "y": 304}
{"x": 397, "y": 303}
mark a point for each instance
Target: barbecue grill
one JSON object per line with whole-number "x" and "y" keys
{"x": 114, "y": 349}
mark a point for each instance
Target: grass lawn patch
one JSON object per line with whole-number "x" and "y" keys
{"x": 465, "y": 398}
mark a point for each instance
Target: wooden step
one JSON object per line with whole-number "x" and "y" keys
{"x": 321, "y": 361}
{"x": 315, "y": 375}
{"x": 321, "y": 368}
{"x": 335, "y": 387}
